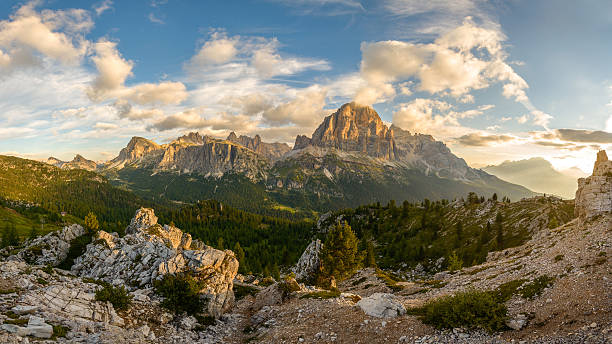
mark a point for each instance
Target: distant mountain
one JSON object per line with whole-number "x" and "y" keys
{"x": 79, "y": 162}
{"x": 352, "y": 158}
{"x": 537, "y": 174}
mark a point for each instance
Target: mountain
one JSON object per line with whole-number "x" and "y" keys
{"x": 352, "y": 158}
{"x": 536, "y": 174}
{"x": 79, "y": 162}
{"x": 271, "y": 151}
{"x": 191, "y": 153}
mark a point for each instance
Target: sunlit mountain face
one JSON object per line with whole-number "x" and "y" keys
{"x": 493, "y": 81}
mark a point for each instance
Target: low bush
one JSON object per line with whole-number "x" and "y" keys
{"x": 78, "y": 246}
{"x": 59, "y": 331}
{"x": 535, "y": 288}
{"x": 181, "y": 293}
{"x": 471, "y": 309}
{"x": 241, "y": 291}
{"x": 117, "y": 296}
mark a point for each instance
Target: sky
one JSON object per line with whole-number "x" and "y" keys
{"x": 494, "y": 80}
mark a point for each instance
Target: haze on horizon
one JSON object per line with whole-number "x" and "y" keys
{"x": 494, "y": 81}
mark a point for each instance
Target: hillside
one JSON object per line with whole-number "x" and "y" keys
{"x": 74, "y": 191}
{"x": 536, "y": 174}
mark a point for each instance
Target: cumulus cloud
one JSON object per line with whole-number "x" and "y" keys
{"x": 219, "y": 49}
{"x": 433, "y": 116}
{"x": 465, "y": 58}
{"x": 609, "y": 124}
{"x": 27, "y": 35}
{"x": 106, "y": 126}
{"x": 223, "y": 57}
{"x": 588, "y": 136}
{"x": 113, "y": 71}
{"x": 480, "y": 139}
{"x": 305, "y": 110}
{"x": 126, "y": 110}
{"x": 540, "y": 118}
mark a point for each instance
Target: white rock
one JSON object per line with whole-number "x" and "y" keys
{"x": 308, "y": 263}
{"x": 21, "y": 309}
{"x": 381, "y": 305}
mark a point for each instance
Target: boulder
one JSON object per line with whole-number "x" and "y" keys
{"x": 381, "y": 305}
{"x": 149, "y": 251}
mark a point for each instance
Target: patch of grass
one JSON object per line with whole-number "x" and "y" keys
{"x": 602, "y": 254}
{"x": 42, "y": 281}
{"x": 181, "y": 293}
{"x": 323, "y": 294}
{"x": 389, "y": 279}
{"x": 11, "y": 315}
{"x": 18, "y": 322}
{"x": 470, "y": 309}
{"x": 558, "y": 258}
{"x": 7, "y": 291}
{"x": 435, "y": 284}
{"x": 601, "y": 260}
{"x": 241, "y": 291}
{"x": 535, "y": 288}
{"x": 266, "y": 282}
{"x": 48, "y": 269}
{"x": 475, "y": 271}
{"x": 117, "y": 296}
{"x": 59, "y": 331}
{"x": 505, "y": 291}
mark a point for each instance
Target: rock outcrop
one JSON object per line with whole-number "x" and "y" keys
{"x": 148, "y": 251}
{"x": 50, "y": 249}
{"x": 355, "y": 128}
{"x": 272, "y": 151}
{"x": 308, "y": 264}
{"x": 594, "y": 194}
{"x": 79, "y": 162}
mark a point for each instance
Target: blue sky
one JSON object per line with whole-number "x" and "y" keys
{"x": 495, "y": 80}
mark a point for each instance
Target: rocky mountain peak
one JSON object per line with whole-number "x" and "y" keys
{"x": 355, "y": 128}
{"x": 191, "y": 138}
{"x": 594, "y": 194}
{"x": 272, "y": 151}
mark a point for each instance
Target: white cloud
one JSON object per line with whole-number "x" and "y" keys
{"x": 103, "y": 7}
{"x": 305, "y": 110}
{"x": 12, "y": 132}
{"x": 465, "y": 58}
{"x": 609, "y": 124}
{"x": 27, "y": 35}
{"x": 540, "y": 118}
{"x": 154, "y": 19}
{"x": 113, "y": 70}
{"x": 268, "y": 62}
{"x": 433, "y": 117}
{"x": 522, "y": 119}
{"x": 105, "y": 126}
{"x": 219, "y": 49}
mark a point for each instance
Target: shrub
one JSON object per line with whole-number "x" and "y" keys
{"x": 59, "y": 331}
{"x": 78, "y": 246}
{"x": 324, "y": 294}
{"x": 535, "y": 288}
{"x": 48, "y": 269}
{"x": 454, "y": 262}
{"x": 117, "y": 296}
{"x": 181, "y": 293}
{"x": 558, "y": 257}
{"x": 469, "y": 309}
{"x": 241, "y": 291}
{"x": 505, "y": 291}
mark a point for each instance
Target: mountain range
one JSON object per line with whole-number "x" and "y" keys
{"x": 538, "y": 175}
{"x": 352, "y": 158}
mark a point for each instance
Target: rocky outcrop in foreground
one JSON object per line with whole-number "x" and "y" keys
{"x": 148, "y": 251}
{"x": 594, "y": 194}
{"x": 308, "y": 264}
{"x": 50, "y": 249}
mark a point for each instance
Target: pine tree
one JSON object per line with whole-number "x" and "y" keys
{"x": 370, "y": 255}
{"x": 339, "y": 256}
{"x": 499, "y": 230}
{"x": 91, "y": 222}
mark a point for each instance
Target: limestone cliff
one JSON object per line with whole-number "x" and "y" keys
{"x": 79, "y": 162}
{"x": 594, "y": 194}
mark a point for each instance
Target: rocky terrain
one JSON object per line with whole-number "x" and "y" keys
{"x": 562, "y": 273}
{"x": 271, "y": 151}
{"x": 79, "y": 162}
